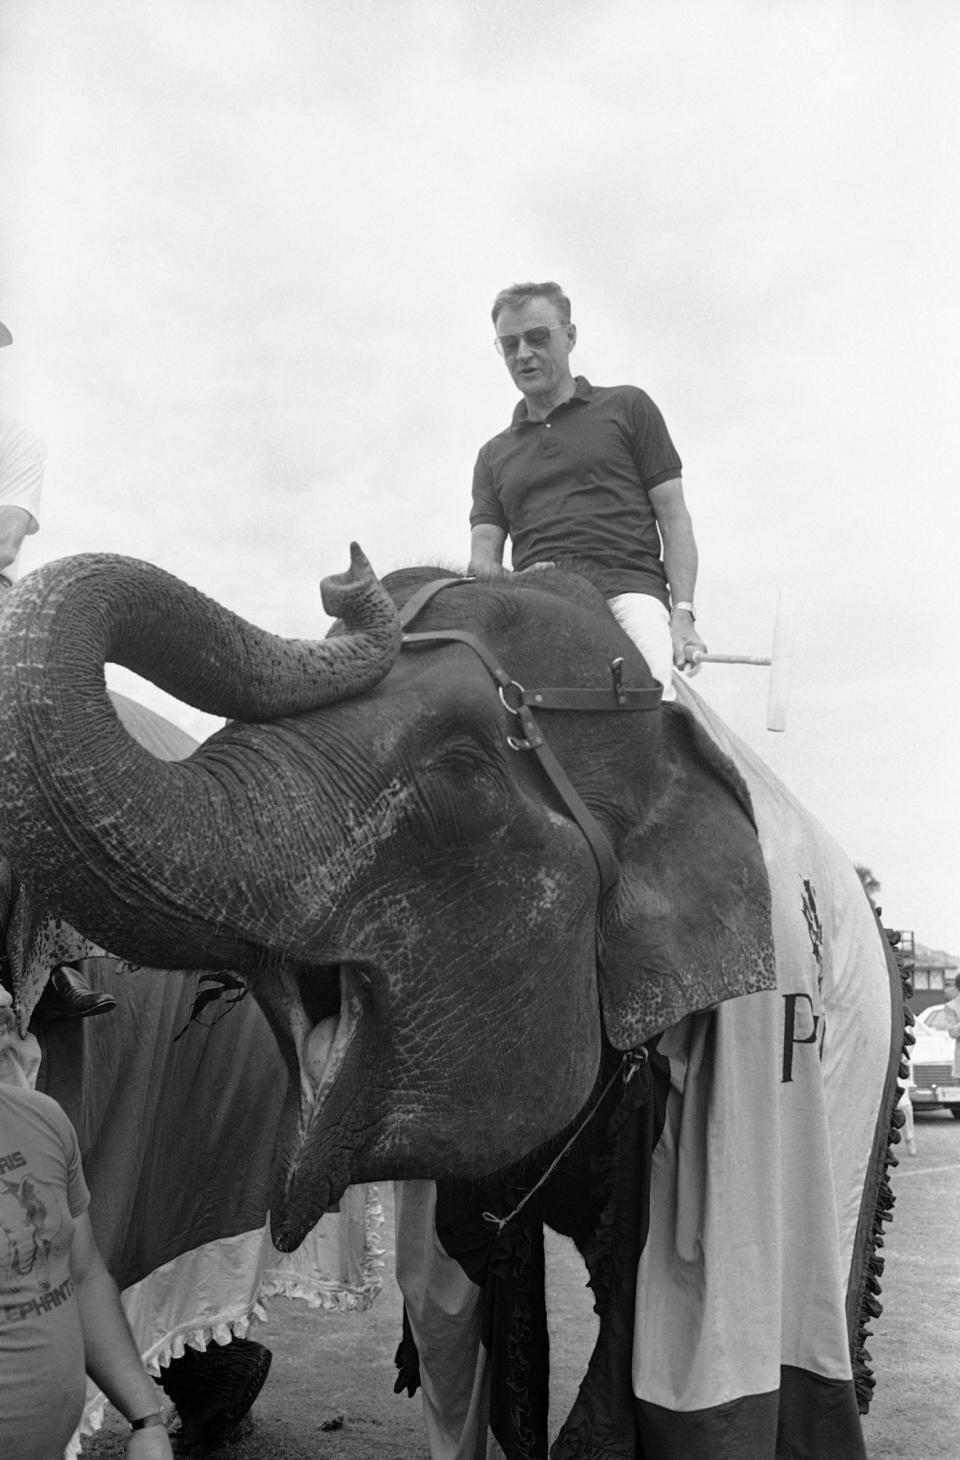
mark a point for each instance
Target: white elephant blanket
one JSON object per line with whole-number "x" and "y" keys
{"x": 766, "y": 1190}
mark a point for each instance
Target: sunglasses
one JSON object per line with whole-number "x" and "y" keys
{"x": 535, "y": 339}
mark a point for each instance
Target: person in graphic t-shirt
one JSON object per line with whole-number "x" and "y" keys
{"x": 60, "y": 1311}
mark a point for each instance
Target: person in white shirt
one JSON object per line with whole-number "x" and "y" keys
{"x": 23, "y": 459}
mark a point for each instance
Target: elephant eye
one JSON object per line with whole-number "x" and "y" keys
{"x": 458, "y": 791}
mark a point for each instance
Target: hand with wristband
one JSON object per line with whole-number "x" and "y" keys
{"x": 687, "y": 643}
{"x": 112, "y": 1359}
{"x": 148, "y": 1438}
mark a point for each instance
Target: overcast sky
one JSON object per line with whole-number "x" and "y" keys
{"x": 248, "y": 253}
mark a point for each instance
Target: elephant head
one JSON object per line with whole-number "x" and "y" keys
{"x": 399, "y": 885}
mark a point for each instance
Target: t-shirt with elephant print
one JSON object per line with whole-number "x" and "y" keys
{"x": 42, "y": 1190}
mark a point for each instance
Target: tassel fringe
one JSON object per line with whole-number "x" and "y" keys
{"x": 870, "y": 1307}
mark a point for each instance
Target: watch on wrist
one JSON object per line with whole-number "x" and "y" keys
{"x": 147, "y": 1421}
{"x": 688, "y": 606}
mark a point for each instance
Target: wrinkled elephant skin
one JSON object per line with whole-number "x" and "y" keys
{"x": 409, "y": 901}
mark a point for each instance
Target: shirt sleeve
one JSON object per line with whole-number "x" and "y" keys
{"x": 78, "y": 1193}
{"x": 23, "y": 459}
{"x": 655, "y": 455}
{"x": 486, "y": 504}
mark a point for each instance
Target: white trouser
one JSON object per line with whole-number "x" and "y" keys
{"x": 444, "y": 1309}
{"x": 647, "y": 622}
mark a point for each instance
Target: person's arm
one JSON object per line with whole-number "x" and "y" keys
{"x": 486, "y": 550}
{"x": 489, "y": 535}
{"x": 14, "y": 526}
{"x": 680, "y": 564}
{"x": 112, "y": 1360}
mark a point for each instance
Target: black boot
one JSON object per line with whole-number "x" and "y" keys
{"x": 66, "y": 996}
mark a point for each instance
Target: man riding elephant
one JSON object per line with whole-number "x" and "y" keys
{"x": 589, "y": 474}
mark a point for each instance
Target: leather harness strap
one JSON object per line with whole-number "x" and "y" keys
{"x": 520, "y": 702}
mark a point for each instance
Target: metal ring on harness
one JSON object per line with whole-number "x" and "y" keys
{"x": 502, "y": 692}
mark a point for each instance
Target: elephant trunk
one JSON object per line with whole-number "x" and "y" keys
{"x": 90, "y": 819}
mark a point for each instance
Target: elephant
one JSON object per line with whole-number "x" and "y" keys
{"x": 482, "y": 881}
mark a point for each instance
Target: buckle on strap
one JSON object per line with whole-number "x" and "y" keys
{"x": 646, "y": 698}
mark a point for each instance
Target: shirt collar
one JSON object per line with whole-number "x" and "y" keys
{"x": 582, "y": 391}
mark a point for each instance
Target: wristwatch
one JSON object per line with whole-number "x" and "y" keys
{"x": 688, "y": 606}
{"x": 147, "y": 1421}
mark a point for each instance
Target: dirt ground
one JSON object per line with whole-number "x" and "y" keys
{"x": 330, "y": 1391}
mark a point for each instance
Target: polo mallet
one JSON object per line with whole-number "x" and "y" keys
{"x": 780, "y": 661}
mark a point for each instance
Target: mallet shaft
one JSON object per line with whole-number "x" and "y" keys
{"x": 729, "y": 659}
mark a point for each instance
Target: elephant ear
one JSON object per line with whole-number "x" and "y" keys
{"x": 690, "y": 922}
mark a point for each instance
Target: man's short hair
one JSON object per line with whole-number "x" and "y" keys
{"x": 517, "y": 295}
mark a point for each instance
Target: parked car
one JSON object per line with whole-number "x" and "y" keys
{"x": 932, "y": 1081}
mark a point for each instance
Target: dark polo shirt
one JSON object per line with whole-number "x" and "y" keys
{"x": 576, "y": 484}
